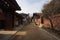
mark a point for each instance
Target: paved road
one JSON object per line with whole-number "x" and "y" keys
{"x": 31, "y": 32}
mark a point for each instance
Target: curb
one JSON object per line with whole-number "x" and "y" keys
{"x": 51, "y": 34}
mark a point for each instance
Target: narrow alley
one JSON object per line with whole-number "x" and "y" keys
{"x": 31, "y": 32}
{"x": 29, "y": 19}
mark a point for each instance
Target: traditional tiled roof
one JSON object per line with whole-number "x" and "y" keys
{"x": 9, "y": 4}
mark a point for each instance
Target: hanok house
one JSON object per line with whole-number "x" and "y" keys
{"x": 18, "y": 19}
{"x": 7, "y": 13}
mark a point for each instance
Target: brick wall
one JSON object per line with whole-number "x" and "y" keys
{"x": 46, "y": 22}
{"x": 55, "y": 20}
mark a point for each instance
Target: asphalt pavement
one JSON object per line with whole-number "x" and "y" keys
{"x": 33, "y": 32}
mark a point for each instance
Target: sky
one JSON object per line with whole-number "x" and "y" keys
{"x": 31, "y": 6}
